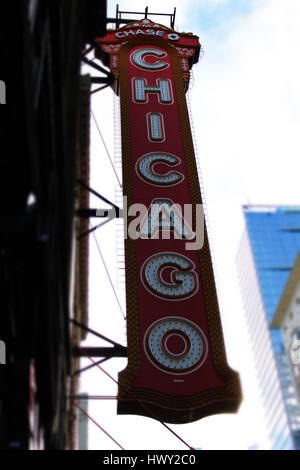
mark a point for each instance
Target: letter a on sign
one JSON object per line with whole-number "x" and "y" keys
{"x": 177, "y": 369}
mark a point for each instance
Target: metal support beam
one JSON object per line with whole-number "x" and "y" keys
{"x": 99, "y": 89}
{"x": 82, "y": 183}
{"x": 104, "y": 352}
{"x": 96, "y": 66}
{"x": 115, "y": 212}
{"x": 88, "y": 213}
{"x": 94, "y": 397}
{"x": 106, "y": 80}
{"x": 116, "y": 351}
{"x": 88, "y": 50}
{"x": 83, "y": 369}
{"x": 92, "y": 229}
{"x": 95, "y": 333}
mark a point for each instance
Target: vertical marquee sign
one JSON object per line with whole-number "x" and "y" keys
{"x": 177, "y": 369}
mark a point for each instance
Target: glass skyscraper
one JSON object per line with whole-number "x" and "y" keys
{"x": 266, "y": 256}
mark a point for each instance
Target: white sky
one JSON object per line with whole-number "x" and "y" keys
{"x": 246, "y": 114}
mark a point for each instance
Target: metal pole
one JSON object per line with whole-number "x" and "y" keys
{"x": 100, "y": 351}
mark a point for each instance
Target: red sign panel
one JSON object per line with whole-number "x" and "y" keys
{"x": 177, "y": 369}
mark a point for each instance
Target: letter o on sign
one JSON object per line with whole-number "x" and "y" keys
{"x": 175, "y": 345}
{"x": 170, "y": 275}
{"x": 173, "y": 37}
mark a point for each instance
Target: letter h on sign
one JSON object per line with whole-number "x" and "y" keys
{"x": 163, "y": 87}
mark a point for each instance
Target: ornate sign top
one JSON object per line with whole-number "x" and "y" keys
{"x": 186, "y": 44}
{"x": 149, "y": 28}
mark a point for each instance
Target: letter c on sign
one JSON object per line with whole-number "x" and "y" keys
{"x": 137, "y": 57}
{"x": 145, "y": 169}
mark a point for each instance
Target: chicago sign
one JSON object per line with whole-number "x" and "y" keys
{"x": 177, "y": 369}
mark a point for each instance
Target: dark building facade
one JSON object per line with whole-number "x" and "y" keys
{"x": 43, "y": 150}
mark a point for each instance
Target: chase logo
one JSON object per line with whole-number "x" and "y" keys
{"x": 2, "y": 353}
{"x": 2, "y": 92}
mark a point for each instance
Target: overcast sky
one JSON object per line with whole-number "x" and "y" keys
{"x": 245, "y": 102}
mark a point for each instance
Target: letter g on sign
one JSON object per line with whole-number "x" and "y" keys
{"x": 170, "y": 275}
